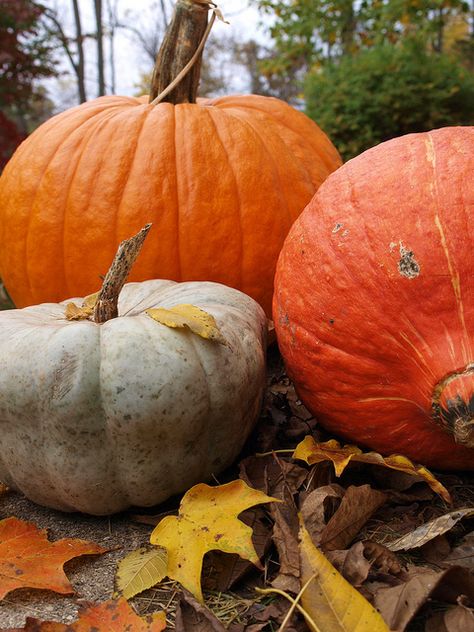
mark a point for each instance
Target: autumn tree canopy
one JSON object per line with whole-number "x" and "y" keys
{"x": 25, "y": 56}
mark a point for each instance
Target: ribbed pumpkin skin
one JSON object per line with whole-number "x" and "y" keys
{"x": 221, "y": 180}
{"x": 96, "y": 418}
{"x": 374, "y": 296}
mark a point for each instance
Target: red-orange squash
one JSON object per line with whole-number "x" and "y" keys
{"x": 374, "y": 299}
{"x": 222, "y": 181}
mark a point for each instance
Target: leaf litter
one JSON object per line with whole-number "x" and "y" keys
{"x": 350, "y": 519}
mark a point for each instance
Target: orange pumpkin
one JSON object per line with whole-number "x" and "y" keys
{"x": 222, "y": 180}
{"x": 374, "y": 299}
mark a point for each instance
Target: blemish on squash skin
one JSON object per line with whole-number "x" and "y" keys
{"x": 408, "y": 266}
{"x": 64, "y": 376}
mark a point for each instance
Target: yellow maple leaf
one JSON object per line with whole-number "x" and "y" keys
{"x": 207, "y": 521}
{"x": 190, "y": 316}
{"x": 328, "y": 600}
{"x": 312, "y": 452}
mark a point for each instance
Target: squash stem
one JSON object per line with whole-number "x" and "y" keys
{"x": 106, "y": 306}
{"x": 180, "y": 55}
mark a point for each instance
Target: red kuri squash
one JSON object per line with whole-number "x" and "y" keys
{"x": 374, "y": 299}
{"x": 222, "y": 180}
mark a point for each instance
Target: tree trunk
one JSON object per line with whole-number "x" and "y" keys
{"x": 348, "y": 28}
{"x": 100, "y": 47}
{"x": 79, "y": 67}
{"x": 113, "y": 23}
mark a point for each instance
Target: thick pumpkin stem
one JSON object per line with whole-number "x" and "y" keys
{"x": 182, "y": 45}
{"x": 453, "y": 405}
{"x": 106, "y": 306}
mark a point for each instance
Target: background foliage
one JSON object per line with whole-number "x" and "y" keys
{"x": 386, "y": 91}
{"x": 25, "y": 57}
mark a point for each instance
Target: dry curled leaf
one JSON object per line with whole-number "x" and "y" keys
{"x": 139, "y": 570}
{"x": 29, "y": 560}
{"x": 357, "y": 506}
{"x": 455, "y": 619}
{"x": 104, "y": 617}
{"x": 331, "y": 602}
{"x": 191, "y": 317}
{"x": 399, "y": 604}
{"x": 83, "y": 312}
{"x": 429, "y": 530}
{"x": 463, "y": 553}
{"x": 193, "y": 616}
{"x": 207, "y": 521}
{"x": 312, "y": 452}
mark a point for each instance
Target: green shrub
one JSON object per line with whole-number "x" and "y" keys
{"x": 387, "y": 91}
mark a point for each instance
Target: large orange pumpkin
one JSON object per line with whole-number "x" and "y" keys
{"x": 374, "y": 299}
{"x": 222, "y": 181}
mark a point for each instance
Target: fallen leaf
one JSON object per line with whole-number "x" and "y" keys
{"x": 331, "y": 602}
{"x": 399, "y": 604}
{"x": 318, "y": 507}
{"x": 193, "y": 616}
{"x": 29, "y": 560}
{"x": 273, "y": 615}
{"x": 191, "y": 317}
{"x": 85, "y": 311}
{"x": 272, "y": 475}
{"x": 207, "y": 521}
{"x": 351, "y": 563}
{"x": 312, "y": 452}
{"x": 436, "y": 550}
{"x": 3, "y": 489}
{"x": 381, "y": 558}
{"x": 103, "y": 617}
{"x": 456, "y": 619}
{"x": 223, "y": 570}
{"x": 463, "y": 554}
{"x": 429, "y": 530}
{"x": 139, "y": 570}
{"x": 285, "y": 538}
{"x": 357, "y": 506}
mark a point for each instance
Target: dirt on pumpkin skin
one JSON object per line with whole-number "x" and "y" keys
{"x": 230, "y": 585}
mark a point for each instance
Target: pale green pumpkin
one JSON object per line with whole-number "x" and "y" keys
{"x": 99, "y": 417}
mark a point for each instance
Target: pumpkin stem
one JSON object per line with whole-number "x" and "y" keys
{"x": 106, "y": 305}
{"x": 178, "y": 63}
{"x": 453, "y": 405}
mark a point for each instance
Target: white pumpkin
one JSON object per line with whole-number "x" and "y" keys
{"x": 99, "y": 417}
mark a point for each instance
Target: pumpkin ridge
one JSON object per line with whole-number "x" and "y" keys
{"x": 116, "y": 483}
{"x": 455, "y": 284}
{"x": 201, "y": 363}
{"x": 454, "y": 274}
{"x": 327, "y": 155}
{"x": 211, "y": 111}
{"x": 240, "y": 114}
{"x": 31, "y": 215}
{"x": 29, "y": 221}
{"x": 271, "y": 161}
{"x": 177, "y": 180}
{"x": 123, "y": 185}
{"x": 98, "y": 122}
